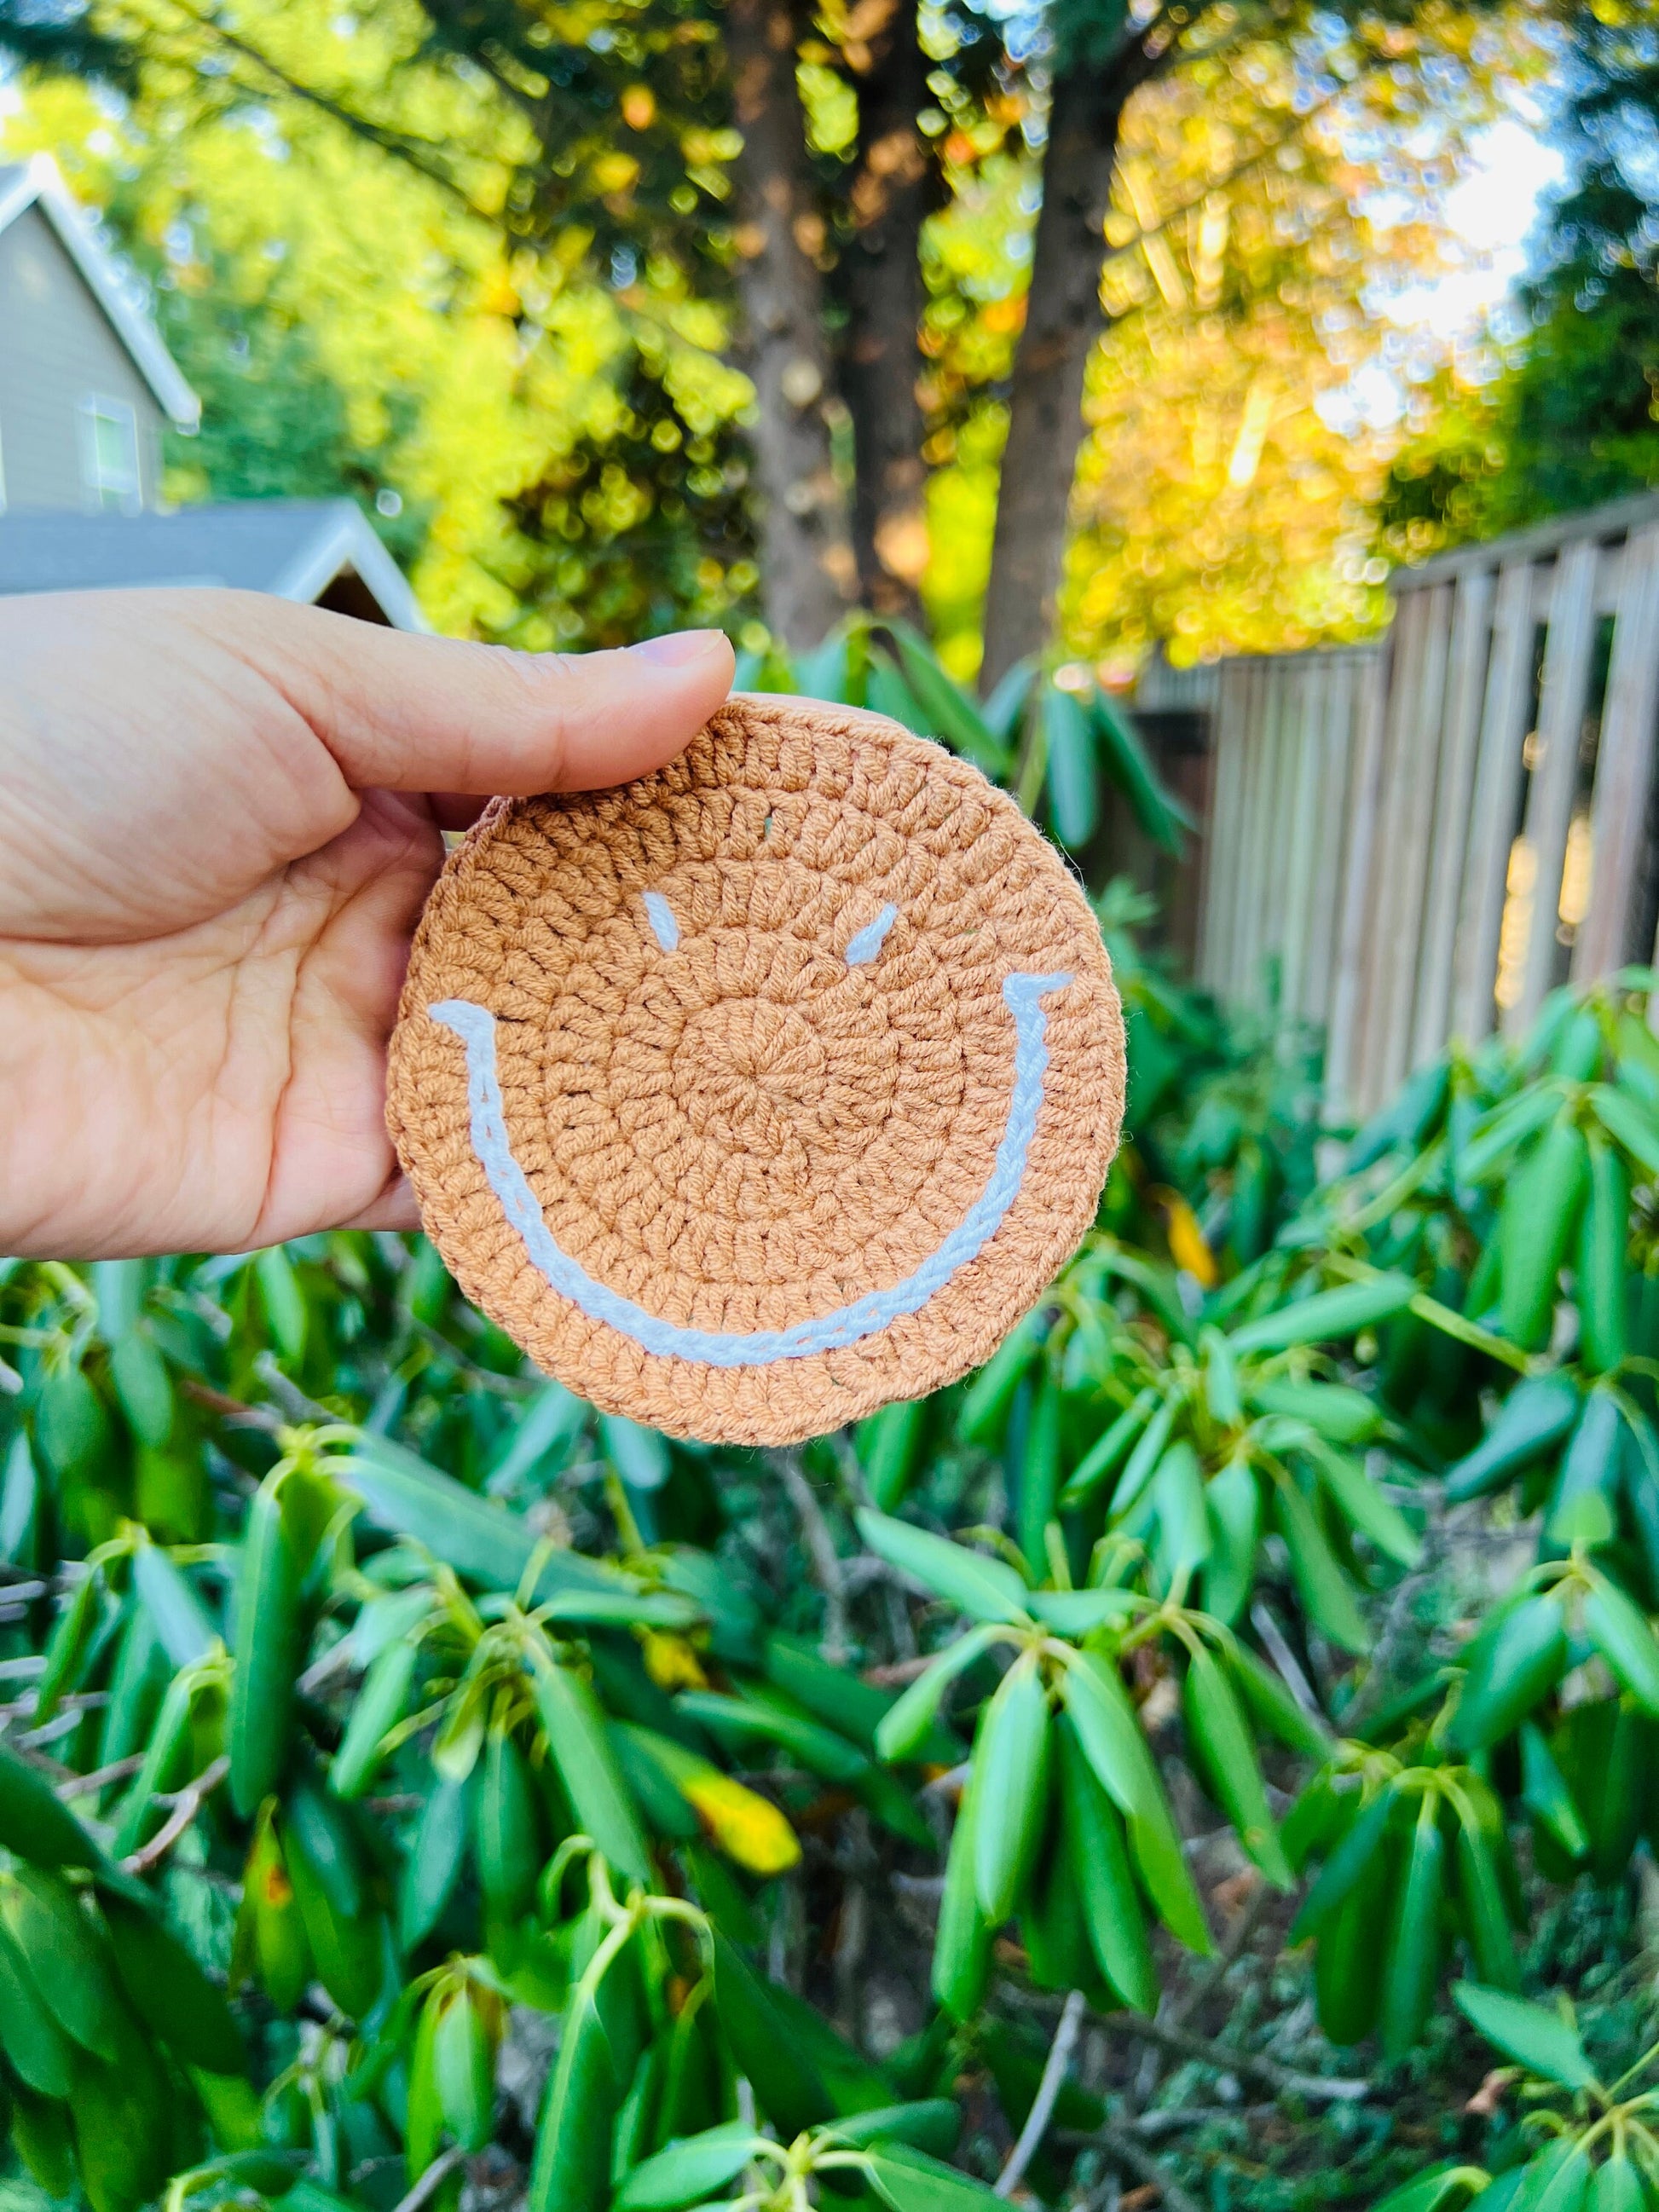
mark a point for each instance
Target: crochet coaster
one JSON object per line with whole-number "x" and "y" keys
{"x": 771, "y": 1087}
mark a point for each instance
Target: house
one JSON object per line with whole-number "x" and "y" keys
{"x": 86, "y": 388}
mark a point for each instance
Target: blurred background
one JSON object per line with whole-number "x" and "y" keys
{"x": 613, "y": 317}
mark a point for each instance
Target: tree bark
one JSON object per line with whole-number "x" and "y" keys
{"x": 808, "y": 573}
{"x": 894, "y": 189}
{"x": 1045, "y": 417}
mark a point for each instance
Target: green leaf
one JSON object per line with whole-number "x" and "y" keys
{"x": 1515, "y": 1660}
{"x": 949, "y": 711}
{"x": 1223, "y": 1740}
{"x": 599, "y": 1797}
{"x": 787, "y": 2084}
{"x": 1124, "y": 757}
{"x": 763, "y": 1716}
{"x": 1545, "y": 1794}
{"x": 1365, "y": 1508}
{"x": 932, "y": 2125}
{"x": 907, "y": 2180}
{"x": 1073, "y": 784}
{"x": 990, "y": 1589}
{"x": 1344, "y": 1865}
{"x": 1541, "y": 2041}
{"x": 1108, "y": 1452}
{"x": 1112, "y": 1741}
{"x": 1012, "y": 1756}
{"x": 181, "y": 1623}
{"x": 1320, "y": 1584}
{"x": 1327, "y": 1316}
{"x": 1432, "y": 2190}
{"x": 1627, "y": 1124}
{"x": 639, "y": 1455}
{"x": 689, "y": 2172}
{"x": 1619, "y": 1628}
{"x": 906, "y": 1728}
{"x": 484, "y": 1543}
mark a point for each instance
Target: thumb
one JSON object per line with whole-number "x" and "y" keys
{"x": 444, "y": 714}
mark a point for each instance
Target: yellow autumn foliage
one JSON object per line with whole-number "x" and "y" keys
{"x": 747, "y": 1826}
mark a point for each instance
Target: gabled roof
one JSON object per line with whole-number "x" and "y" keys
{"x": 38, "y": 183}
{"x": 293, "y": 549}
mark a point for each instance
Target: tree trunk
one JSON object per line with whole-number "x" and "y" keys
{"x": 809, "y": 575}
{"x": 1045, "y": 417}
{"x": 893, "y": 191}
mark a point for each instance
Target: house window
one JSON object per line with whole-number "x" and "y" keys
{"x": 109, "y": 453}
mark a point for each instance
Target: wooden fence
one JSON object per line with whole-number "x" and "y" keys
{"x": 1416, "y": 840}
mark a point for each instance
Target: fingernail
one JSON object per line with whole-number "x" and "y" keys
{"x": 678, "y": 646}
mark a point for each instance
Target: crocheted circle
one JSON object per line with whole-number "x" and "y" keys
{"x": 767, "y": 1089}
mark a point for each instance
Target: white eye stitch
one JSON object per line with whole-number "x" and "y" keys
{"x": 862, "y": 948}
{"x": 660, "y": 915}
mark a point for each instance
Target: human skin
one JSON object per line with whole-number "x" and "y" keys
{"x": 220, "y": 817}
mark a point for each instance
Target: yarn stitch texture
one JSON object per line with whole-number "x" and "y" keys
{"x": 767, "y": 1089}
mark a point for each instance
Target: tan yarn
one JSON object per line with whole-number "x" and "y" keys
{"x": 745, "y": 1132}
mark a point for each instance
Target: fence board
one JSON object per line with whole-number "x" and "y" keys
{"x": 1335, "y": 741}
{"x": 1220, "y": 848}
{"x": 1471, "y": 640}
{"x": 1245, "y": 887}
{"x": 1624, "y": 769}
{"x": 1419, "y": 757}
{"x": 1342, "y": 1041}
{"x": 1373, "y": 816}
{"x": 1497, "y": 797}
{"x": 1395, "y": 798}
{"x": 1270, "y": 945}
{"x": 1252, "y": 921}
{"x": 1302, "y": 858}
{"x": 1554, "y": 779}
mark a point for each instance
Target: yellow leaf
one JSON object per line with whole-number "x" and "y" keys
{"x": 1187, "y": 1248}
{"x": 748, "y": 1827}
{"x": 671, "y": 1663}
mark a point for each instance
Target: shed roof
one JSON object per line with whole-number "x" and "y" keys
{"x": 293, "y": 549}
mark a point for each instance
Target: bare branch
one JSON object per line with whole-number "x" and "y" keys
{"x": 821, "y": 1549}
{"x": 431, "y": 2181}
{"x": 1140, "y": 2162}
{"x": 1054, "y": 2070}
{"x": 185, "y": 1805}
{"x": 1205, "y": 1984}
{"x": 1283, "y": 2080}
{"x": 83, "y": 1785}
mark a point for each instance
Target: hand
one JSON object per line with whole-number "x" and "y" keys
{"x": 220, "y": 815}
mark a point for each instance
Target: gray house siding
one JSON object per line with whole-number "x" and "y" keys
{"x": 58, "y": 352}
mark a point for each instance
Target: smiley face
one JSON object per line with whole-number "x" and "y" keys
{"x": 763, "y": 1090}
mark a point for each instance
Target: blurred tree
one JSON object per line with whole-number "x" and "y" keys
{"x": 1563, "y": 413}
{"x": 889, "y": 157}
{"x": 1582, "y": 417}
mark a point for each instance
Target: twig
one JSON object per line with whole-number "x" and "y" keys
{"x": 186, "y": 1807}
{"x": 900, "y": 1672}
{"x": 1168, "y": 2121}
{"x": 1285, "y": 1660}
{"x": 1282, "y": 2079}
{"x": 338, "y": 1659}
{"x": 431, "y": 2181}
{"x": 506, "y": 1386}
{"x": 1054, "y": 2070}
{"x": 289, "y": 1397}
{"x": 229, "y": 1409}
{"x": 1145, "y": 2167}
{"x": 82, "y": 1785}
{"x": 1205, "y": 1987}
{"x": 1370, "y": 1693}
{"x": 821, "y": 1548}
